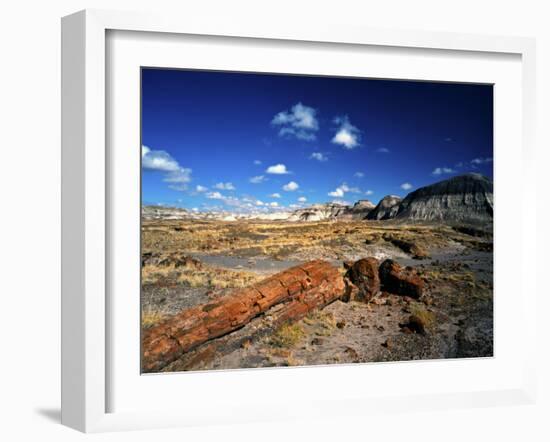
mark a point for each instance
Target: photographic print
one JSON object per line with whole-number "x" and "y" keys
{"x": 294, "y": 220}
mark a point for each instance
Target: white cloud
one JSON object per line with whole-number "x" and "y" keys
{"x": 158, "y": 160}
{"x": 291, "y": 186}
{"x": 215, "y": 196}
{"x": 225, "y": 186}
{"x": 274, "y": 204}
{"x": 369, "y": 192}
{"x": 257, "y": 162}
{"x": 383, "y": 150}
{"x": 338, "y": 193}
{"x": 275, "y": 195}
{"x": 277, "y": 169}
{"x": 478, "y": 161}
{"x": 442, "y": 170}
{"x": 302, "y": 199}
{"x": 319, "y": 156}
{"x": 200, "y": 188}
{"x": 162, "y": 161}
{"x": 341, "y": 190}
{"x": 179, "y": 176}
{"x": 257, "y": 179}
{"x": 406, "y": 186}
{"x": 299, "y": 122}
{"x": 347, "y": 134}
{"x": 358, "y": 174}
{"x": 259, "y": 203}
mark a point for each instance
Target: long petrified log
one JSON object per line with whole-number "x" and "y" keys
{"x": 303, "y": 288}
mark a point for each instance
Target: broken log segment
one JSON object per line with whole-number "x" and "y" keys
{"x": 305, "y": 287}
{"x": 399, "y": 280}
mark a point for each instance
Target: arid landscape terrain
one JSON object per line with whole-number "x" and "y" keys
{"x": 322, "y": 285}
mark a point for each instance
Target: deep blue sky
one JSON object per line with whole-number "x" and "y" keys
{"x": 206, "y": 128}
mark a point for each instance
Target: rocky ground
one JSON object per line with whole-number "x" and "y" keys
{"x": 453, "y": 317}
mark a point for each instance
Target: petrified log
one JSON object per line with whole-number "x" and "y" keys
{"x": 364, "y": 276}
{"x": 303, "y": 288}
{"x": 400, "y": 281}
{"x": 285, "y": 312}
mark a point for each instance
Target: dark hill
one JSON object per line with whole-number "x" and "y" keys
{"x": 464, "y": 198}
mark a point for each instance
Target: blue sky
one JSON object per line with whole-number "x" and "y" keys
{"x": 260, "y": 142}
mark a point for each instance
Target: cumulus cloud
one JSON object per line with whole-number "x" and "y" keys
{"x": 369, "y": 192}
{"x": 347, "y": 135}
{"x": 358, "y": 174}
{"x": 319, "y": 156}
{"x": 201, "y": 189}
{"x": 215, "y": 196}
{"x": 275, "y": 195}
{"x": 162, "y": 161}
{"x": 291, "y": 186}
{"x": 442, "y": 170}
{"x": 341, "y": 190}
{"x": 277, "y": 169}
{"x": 299, "y": 122}
{"x": 274, "y": 204}
{"x": 158, "y": 160}
{"x": 257, "y": 179}
{"x": 338, "y": 193}
{"x": 383, "y": 150}
{"x": 224, "y": 186}
{"x": 302, "y": 199}
{"x": 406, "y": 186}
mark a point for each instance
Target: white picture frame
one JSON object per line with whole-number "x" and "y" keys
{"x": 85, "y": 198}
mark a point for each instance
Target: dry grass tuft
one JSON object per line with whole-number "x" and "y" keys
{"x": 287, "y": 336}
{"x": 323, "y": 322}
{"x": 151, "y": 316}
{"x": 425, "y": 317}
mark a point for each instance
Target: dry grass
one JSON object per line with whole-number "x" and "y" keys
{"x": 287, "y": 336}
{"x": 280, "y": 239}
{"x": 426, "y": 317}
{"x": 203, "y": 277}
{"x": 151, "y": 316}
{"x": 323, "y": 322}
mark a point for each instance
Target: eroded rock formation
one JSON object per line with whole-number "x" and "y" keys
{"x": 385, "y": 209}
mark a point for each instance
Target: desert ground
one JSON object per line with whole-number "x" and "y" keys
{"x": 188, "y": 263}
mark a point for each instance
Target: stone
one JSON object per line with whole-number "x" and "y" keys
{"x": 363, "y": 274}
{"x": 399, "y": 281}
